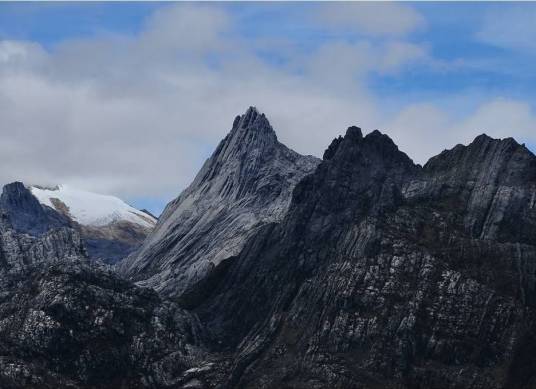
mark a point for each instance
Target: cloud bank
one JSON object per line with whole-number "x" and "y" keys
{"x": 136, "y": 115}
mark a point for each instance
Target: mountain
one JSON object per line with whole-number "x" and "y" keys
{"x": 245, "y": 184}
{"x": 65, "y": 322}
{"x": 111, "y": 229}
{"x": 20, "y": 250}
{"x": 363, "y": 270}
{"x": 385, "y": 274}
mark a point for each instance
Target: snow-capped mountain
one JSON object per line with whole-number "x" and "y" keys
{"x": 110, "y": 228}
{"x": 90, "y": 209}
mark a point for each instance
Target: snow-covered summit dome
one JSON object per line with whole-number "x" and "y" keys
{"x": 90, "y": 209}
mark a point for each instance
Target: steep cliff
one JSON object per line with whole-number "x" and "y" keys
{"x": 386, "y": 274}
{"x": 26, "y": 213}
{"x": 245, "y": 184}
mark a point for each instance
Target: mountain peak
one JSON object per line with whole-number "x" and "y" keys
{"x": 245, "y": 184}
{"x": 482, "y": 138}
{"x": 252, "y": 121}
{"x": 16, "y": 194}
{"x": 354, "y": 132}
{"x": 483, "y": 148}
{"x": 251, "y": 138}
{"x": 353, "y": 143}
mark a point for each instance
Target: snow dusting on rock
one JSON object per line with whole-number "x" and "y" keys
{"x": 90, "y": 209}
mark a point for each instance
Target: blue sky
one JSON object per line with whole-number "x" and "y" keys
{"x": 130, "y": 98}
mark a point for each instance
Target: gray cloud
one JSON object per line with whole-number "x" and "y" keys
{"x": 376, "y": 19}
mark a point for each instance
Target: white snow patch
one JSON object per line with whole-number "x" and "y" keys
{"x": 92, "y": 209}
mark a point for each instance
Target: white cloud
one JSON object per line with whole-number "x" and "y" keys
{"x": 510, "y": 26}
{"x": 371, "y": 18}
{"x": 136, "y": 115}
{"x": 424, "y": 130}
{"x": 191, "y": 28}
{"x": 399, "y": 54}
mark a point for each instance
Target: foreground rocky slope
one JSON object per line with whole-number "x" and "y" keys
{"x": 66, "y": 323}
{"x": 245, "y": 184}
{"x": 384, "y": 274}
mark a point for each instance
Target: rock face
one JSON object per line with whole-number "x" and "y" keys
{"x": 67, "y": 323}
{"x": 245, "y": 184}
{"x": 110, "y": 228}
{"x": 384, "y": 274}
{"x": 26, "y": 213}
{"x": 363, "y": 271}
{"x": 115, "y": 241}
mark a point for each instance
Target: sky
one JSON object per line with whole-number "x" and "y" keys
{"x": 129, "y": 99}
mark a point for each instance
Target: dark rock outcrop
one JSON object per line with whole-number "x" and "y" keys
{"x": 245, "y": 184}
{"x": 25, "y": 212}
{"x": 113, "y": 242}
{"x": 386, "y": 274}
{"x": 65, "y": 322}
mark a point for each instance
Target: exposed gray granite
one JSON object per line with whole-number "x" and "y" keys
{"x": 245, "y": 184}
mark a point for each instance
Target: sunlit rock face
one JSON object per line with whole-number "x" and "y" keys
{"x": 245, "y": 184}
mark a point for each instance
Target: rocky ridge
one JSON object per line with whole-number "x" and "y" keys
{"x": 245, "y": 184}
{"x": 366, "y": 271}
{"x": 67, "y": 322}
{"x": 386, "y": 274}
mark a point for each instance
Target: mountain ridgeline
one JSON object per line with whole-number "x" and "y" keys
{"x": 276, "y": 270}
{"x": 245, "y": 184}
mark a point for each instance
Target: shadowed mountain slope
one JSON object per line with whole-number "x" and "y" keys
{"x": 386, "y": 274}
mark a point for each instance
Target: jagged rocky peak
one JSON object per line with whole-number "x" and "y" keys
{"x": 375, "y": 142}
{"x": 241, "y": 156}
{"x": 252, "y": 130}
{"x": 254, "y": 122}
{"x": 361, "y": 171}
{"x": 484, "y": 151}
{"x": 352, "y": 132}
{"x": 491, "y": 180}
{"x": 16, "y": 195}
{"x": 363, "y": 285}
{"x": 245, "y": 184}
